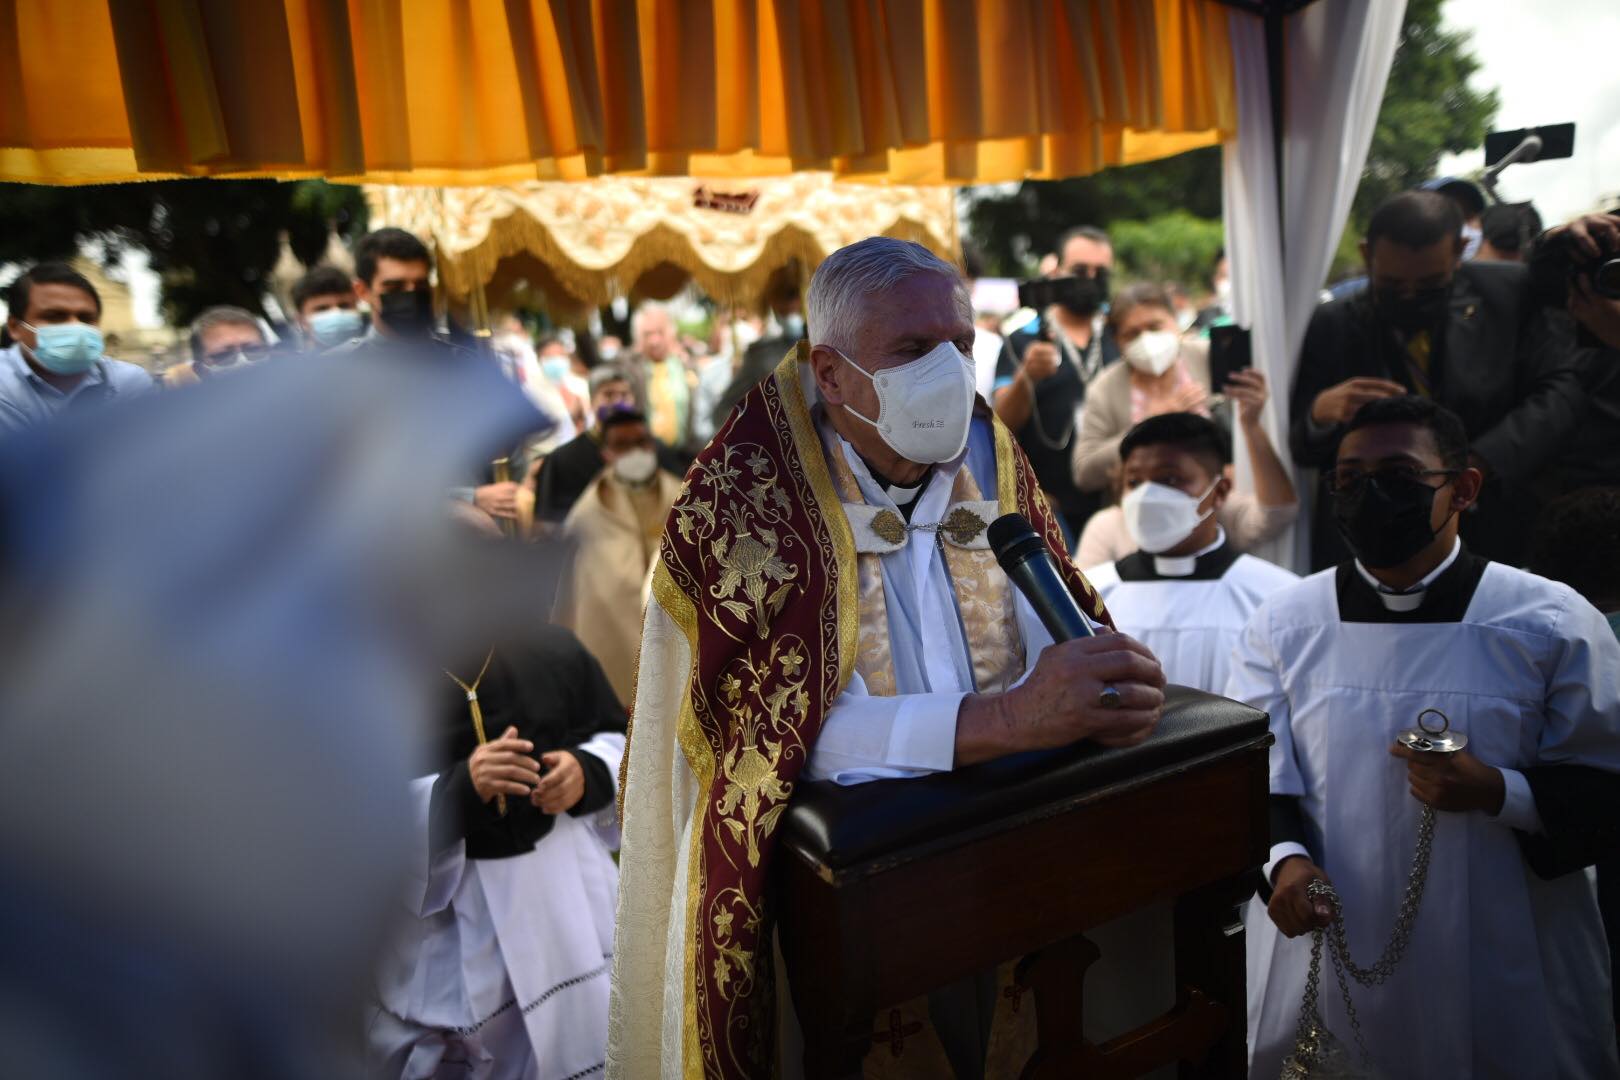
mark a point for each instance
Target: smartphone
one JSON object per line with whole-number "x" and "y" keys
{"x": 1230, "y": 351}
{"x": 1557, "y": 141}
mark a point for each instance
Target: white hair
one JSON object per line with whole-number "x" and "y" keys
{"x": 836, "y": 303}
{"x": 638, "y": 321}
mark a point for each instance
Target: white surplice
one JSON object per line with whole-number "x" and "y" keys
{"x": 1189, "y": 613}
{"x": 502, "y": 972}
{"x": 1506, "y": 974}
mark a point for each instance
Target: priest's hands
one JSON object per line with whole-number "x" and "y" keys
{"x": 504, "y": 767}
{"x": 1058, "y": 703}
{"x": 1457, "y": 782}
{"x": 1291, "y": 909}
{"x": 562, "y": 786}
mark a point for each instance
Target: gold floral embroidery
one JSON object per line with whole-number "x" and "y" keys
{"x": 743, "y": 519}
{"x": 754, "y": 565}
{"x": 888, "y": 527}
{"x": 754, "y": 795}
{"x": 963, "y": 526}
{"x": 731, "y": 959}
{"x": 758, "y": 510}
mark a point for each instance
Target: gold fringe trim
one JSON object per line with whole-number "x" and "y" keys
{"x": 808, "y": 446}
{"x": 520, "y": 233}
{"x": 700, "y": 758}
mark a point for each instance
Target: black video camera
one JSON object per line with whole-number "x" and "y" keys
{"x": 1079, "y": 294}
{"x": 1556, "y": 262}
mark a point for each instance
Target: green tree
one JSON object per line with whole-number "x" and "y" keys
{"x": 1010, "y": 232}
{"x": 210, "y": 241}
{"x": 1428, "y": 109}
{"x": 1177, "y": 246}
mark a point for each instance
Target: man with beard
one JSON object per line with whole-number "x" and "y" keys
{"x": 1041, "y": 385}
{"x": 1464, "y": 334}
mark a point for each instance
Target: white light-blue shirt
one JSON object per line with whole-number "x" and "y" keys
{"x": 913, "y": 733}
{"x": 27, "y": 399}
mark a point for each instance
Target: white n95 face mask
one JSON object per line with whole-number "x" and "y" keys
{"x": 1159, "y": 517}
{"x": 1153, "y": 351}
{"x": 635, "y": 467}
{"x": 924, "y": 407}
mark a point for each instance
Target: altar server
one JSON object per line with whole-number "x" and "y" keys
{"x": 501, "y": 969}
{"x": 1185, "y": 593}
{"x": 1505, "y": 973}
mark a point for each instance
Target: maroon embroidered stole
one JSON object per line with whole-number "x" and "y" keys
{"x": 758, "y": 568}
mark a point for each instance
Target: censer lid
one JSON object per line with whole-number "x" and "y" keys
{"x": 1433, "y": 734}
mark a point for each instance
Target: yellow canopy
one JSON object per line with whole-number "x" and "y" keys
{"x": 595, "y": 240}
{"x": 502, "y": 91}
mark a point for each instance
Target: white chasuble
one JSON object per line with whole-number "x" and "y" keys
{"x": 1506, "y": 974}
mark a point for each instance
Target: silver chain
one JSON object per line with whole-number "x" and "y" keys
{"x": 1312, "y": 1039}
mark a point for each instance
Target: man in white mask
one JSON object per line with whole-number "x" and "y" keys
{"x": 826, "y": 606}
{"x": 1185, "y": 593}
{"x": 616, "y": 524}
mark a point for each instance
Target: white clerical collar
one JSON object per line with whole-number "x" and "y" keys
{"x": 936, "y": 485}
{"x": 1412, "y": 598}
{"x": 1186, "y": 565}
{"x": 902, "y": 495}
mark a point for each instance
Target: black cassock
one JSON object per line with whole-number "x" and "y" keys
{"x": 557, "y": 696}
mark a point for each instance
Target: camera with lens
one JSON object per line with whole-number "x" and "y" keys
{"x": 1557, "y": 262}
{"x": 1078, "y": 293}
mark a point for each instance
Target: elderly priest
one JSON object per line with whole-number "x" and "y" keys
{"x": 826, "y": 605}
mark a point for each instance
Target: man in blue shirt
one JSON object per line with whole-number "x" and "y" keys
{"x": 56, "y": 360}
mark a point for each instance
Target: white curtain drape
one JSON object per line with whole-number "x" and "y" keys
{"x": 1337, "y": 58}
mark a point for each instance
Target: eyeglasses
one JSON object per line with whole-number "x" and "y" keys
{"x": 1351, "y": 481}
{"x": 245, "y": 352}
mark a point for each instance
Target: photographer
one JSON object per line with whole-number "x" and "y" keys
{"x": 1596, "y": 240}
{"x": 1041, "y": 385}
{"x": 1468, "y": 335}
{"x": 1579, "y": 265}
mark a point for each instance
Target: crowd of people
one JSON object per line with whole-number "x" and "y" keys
{"x": 1458, "y": 428}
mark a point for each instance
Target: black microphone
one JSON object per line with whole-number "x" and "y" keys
{"x": 1023, "y": 555}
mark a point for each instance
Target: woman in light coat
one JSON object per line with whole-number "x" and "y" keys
{"x": 1162, "y": 373}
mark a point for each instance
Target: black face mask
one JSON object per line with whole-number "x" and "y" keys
{"x": 1083, "y": 296}
{"x": 1423, "y": 310}
{"x": 408, "y": 313}
{"x": 1386, "y": 523}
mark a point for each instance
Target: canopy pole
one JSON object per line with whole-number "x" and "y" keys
{"x": 480, "y": 311}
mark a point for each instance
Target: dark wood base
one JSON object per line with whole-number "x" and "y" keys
{"x": 863, "y": 939}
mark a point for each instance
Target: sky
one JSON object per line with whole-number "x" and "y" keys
{"x": 1552, "y": 61}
